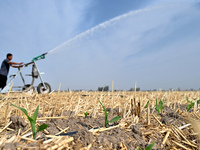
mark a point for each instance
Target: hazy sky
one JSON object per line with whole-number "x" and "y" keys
{"x": 154, "y": 43}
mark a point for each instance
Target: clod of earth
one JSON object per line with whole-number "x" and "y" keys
{"x": 17, "y": 123}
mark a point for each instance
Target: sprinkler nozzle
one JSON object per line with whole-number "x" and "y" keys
{"x": 39, "y": 57}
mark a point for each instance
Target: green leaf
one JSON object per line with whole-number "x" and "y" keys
{"x": 86, "y": 114}
{"x": 161, "y": 106}
{"x": 114, "y": 119}
{"x": 106, "y": 114}
{"x": 188, "y": 100}
{"x": 33, "y": 128}
{"x": 42, "y": 127}
{"x": 147, "y": 104}
{"x": 150, "y": 146}
{"x": 157, "y": 108}
{"x": 33, "y": 120}
{"x": 35, "y": 114}
{"x": 24, "y": 111}
{"x": 189, "y": 106}
{"x": 198, "y": 102}
{"x": 139, "y": 149}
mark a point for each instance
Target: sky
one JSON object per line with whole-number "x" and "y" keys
{"x": 92, "y": 43}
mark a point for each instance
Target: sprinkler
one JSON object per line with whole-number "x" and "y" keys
{"x": 43, "y": 87}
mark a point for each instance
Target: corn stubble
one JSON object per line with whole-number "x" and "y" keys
{"x": 132, "y": 107}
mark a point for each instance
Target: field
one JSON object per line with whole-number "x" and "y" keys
{"x": 173, "y": 127}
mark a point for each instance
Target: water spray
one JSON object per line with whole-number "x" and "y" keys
{"x": 104, "y": 25}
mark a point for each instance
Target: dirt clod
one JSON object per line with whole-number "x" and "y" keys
{"x": 84, "y": 136}
{"x": 17, "y": 122}
{"x": 136, "y": 129}
{"x": 9, "y": 146}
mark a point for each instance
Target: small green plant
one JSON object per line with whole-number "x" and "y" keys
{"x": 86, "y": 114}
{"x": 148, "y": 147}
{"x": 159, "y": 107}
{"x": 191, "y": 104}
{"x": 147, "y": 104}
{"x": 33, "y": 120}
{"x": 106, "y": 116}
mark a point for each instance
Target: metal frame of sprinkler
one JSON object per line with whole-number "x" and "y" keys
{"x": 43, "y": 87}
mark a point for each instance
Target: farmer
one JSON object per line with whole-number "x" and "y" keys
{"x": 5, "y": 66}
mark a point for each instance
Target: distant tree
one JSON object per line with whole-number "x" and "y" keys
{"x": 138, "y": 89}
{"x": 133, "y": 89}
{"x": 106, "y": 88}
{"x": 100, "y": 88}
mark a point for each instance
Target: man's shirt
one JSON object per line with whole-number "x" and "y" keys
{"x": 5, "y": 66}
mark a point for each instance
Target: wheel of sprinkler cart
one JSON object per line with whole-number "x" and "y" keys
{"x": 41, "y": 88}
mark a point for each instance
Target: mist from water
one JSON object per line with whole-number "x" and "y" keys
{"x": 99, "y": 28}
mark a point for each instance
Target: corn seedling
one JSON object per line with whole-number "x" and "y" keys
{"x": 106, "y": 116}
{"x": 33, "y": 120}
{"x": 86, "y": 114}
{"x": 191, "y": 104}
{"x": 148, "y": 147}
{"x": 147, "y": 104}
{"x": 159, "y": 107}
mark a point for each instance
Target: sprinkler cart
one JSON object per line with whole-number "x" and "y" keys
{"x": 43, "y": 87}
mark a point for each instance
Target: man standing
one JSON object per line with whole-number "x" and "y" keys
{"x": 5, "y": 66}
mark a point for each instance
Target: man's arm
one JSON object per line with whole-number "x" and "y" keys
{"x": 14, "y": 63}
{"x": 16, "y": 66}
